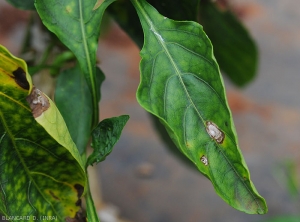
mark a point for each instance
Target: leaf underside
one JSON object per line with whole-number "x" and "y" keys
{"x": 181, "y": 84}
{"x": 73, "y": 99}
{"x": 38, "y": 175}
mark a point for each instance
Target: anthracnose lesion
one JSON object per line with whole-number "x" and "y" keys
{"x": 20, "y": 78}
{"x": 79, "y": 189}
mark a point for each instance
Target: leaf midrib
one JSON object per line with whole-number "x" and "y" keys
{"x": 90, "y": 68}
{"x": 162, "y": 43}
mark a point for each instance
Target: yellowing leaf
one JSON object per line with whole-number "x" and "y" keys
{"x": 41, "y": 171}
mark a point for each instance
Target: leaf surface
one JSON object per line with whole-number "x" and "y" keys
{"x": 77, "y": 25}
{"x": 105, "y": 136}
{"x": 73, "y": 99}
{"x": 234, "y": 48}
{"x": 181, "y": 84}
{"x": 41, "y": 171}
{"x": 124, "y": 13}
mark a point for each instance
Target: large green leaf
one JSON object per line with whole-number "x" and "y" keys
{"x": 105, "y": 136}
{"x": 41, "y": 171}
{"x": 234, "y": 48}
{"x": 181, "y": 84}
{"x": 124, "y": 13}
{"x": 23, "y": 4}
{"x": 73, "y": 99}
{"x": 77, "y": 25}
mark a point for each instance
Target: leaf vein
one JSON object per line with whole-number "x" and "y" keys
{"x": 195, "y": 53}
{"x": 237, "y": 176}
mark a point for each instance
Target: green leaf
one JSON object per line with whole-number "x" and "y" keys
{"x": 77, "y": 25}
{"x": 73, "y": 99}
{"x": 181, "y": 84}
{"x": 124, "y": 13}
{"x": 234, "y": 48}
{"x": 41, "y": 171}
{"x": 23, "y": 4}
{"x": 105, "y": 136}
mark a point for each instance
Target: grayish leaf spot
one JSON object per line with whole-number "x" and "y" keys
{"x": 39, "y": 99}
{"x": 214, "y": 132}
{"x": 38, "y": 102}
{"x": 204, "y": 160}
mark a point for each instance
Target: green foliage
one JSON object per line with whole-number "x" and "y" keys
{"x": 180, "y": 85}
{"x": 124, "y": 13}
{"x": 105, "y": 136}
{"x": 234, "y": 49}
{"x": 73, "y": 98}
{"x": 77, "y": 25}
{"x": 174, "y": 72}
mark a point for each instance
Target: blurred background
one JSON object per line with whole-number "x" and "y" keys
{"x": 141, "y": 181}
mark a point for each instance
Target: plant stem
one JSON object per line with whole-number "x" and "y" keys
{"x": 90, "y": 207}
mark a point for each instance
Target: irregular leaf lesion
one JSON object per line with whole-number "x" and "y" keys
{"x": 38, "y": 102}
{"x": 53, "y": 195}
{"x": 20, "y": 78}
{"x": 204, "y": 160}
{"x": 80, "y": 215}
{"x": 214, "y": 132}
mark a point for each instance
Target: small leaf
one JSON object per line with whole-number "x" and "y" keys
{"x": 41, "y": 171}
{"x": 77, "y": 25}
{"x": 24, "y": 4}
{"x": 234, "y": 48}
{"x": 73, "y": 99}
{"x": 105, "y": 136}
{"x": 181, "y": 84}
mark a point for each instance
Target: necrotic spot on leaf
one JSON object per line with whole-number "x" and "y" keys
{"x": 78, "y": 203}
{"x": 204, "y": 160}
{"x": 79, "y": 216}
{"x": 53, "y": 195}
{"x": 20, "y": 78}
{"x": 214, "y": 132}
{"x": 79, "y": 189}
{"x": 38, "y": 102}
